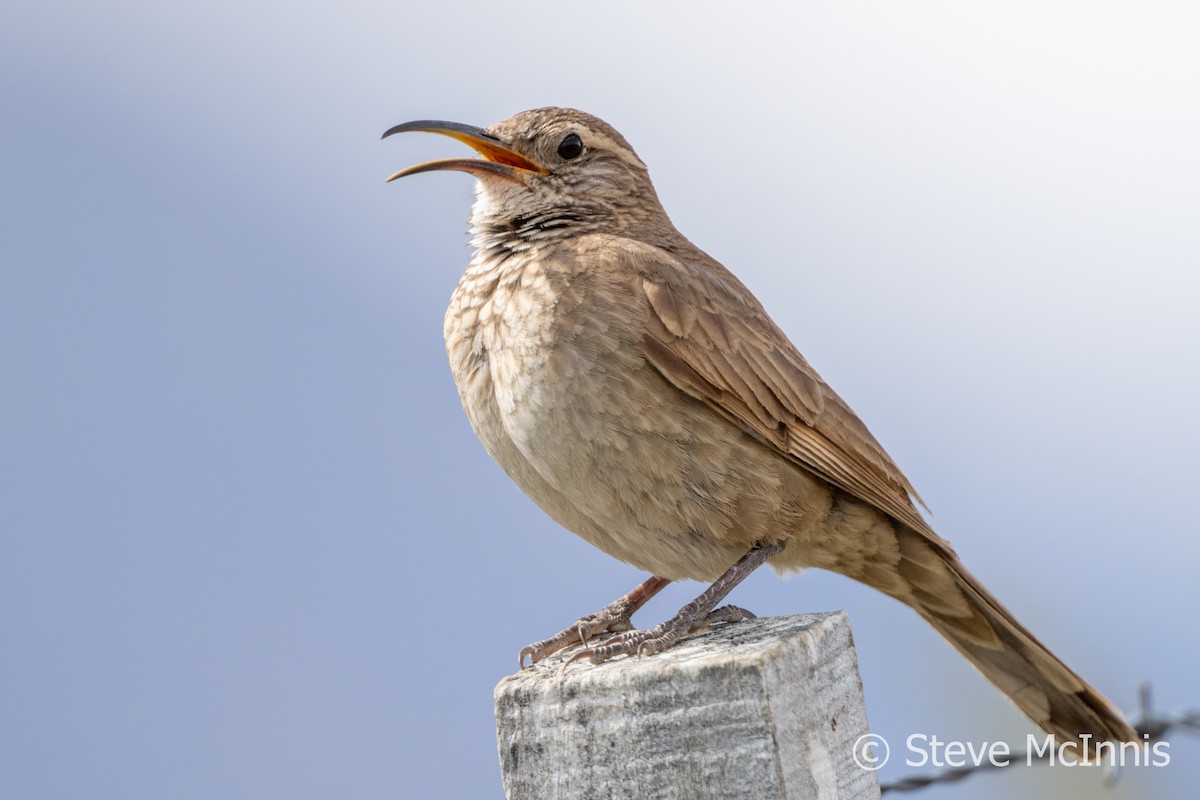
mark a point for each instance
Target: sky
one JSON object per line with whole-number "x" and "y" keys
{"x": 249, "y": 546}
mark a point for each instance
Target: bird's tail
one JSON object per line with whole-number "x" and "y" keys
{"x": 937, "y": 586}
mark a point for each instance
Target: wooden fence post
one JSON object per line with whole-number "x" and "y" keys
{"x": 768, "y": 709}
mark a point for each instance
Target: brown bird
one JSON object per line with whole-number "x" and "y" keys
{"x": 639, "y": 393}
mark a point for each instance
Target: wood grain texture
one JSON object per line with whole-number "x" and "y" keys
{"x": 768, "y": 709}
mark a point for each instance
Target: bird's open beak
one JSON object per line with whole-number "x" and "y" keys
{"x": 501, "y": 160}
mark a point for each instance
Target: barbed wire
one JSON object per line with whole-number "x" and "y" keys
{"x": 1149, "y": 723}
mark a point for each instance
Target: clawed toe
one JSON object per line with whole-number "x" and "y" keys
{"x": 727, "y": 614}
{"x": 579, "y": 633}
{"x": 661, "y": 637}
{"x": 547, "y": 647}
{"x": 613, "y": 618}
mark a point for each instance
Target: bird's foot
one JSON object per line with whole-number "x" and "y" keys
{"x": 698, "y": 615}
{"x": 613, "y": 618}
{"x": 663, "y": 636}
{"x": 609, "y": 619}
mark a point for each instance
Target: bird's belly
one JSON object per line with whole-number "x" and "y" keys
{"x": 594, "y": 435}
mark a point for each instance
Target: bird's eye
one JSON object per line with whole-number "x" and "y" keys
{"x": 570, "y": 147}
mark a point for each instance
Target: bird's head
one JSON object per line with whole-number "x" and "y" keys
{"x": 549, "y": 171}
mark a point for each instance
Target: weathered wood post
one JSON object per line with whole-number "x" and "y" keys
{"x": 769, "y": 709}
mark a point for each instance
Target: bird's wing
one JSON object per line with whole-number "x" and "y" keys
{"x": 709, "y": 336}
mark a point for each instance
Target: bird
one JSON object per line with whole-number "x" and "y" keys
{"x": 641, "y": 395}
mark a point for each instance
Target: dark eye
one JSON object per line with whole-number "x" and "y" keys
{"x": 570, "y": 147}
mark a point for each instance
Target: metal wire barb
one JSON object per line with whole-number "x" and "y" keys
{"x": 1149, "y": 723}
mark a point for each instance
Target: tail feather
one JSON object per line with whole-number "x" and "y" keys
{"x": 939, "y": 588}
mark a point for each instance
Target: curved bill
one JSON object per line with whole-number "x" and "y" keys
{"x": 500, "y": 160}
{"x": 475, "y": 166}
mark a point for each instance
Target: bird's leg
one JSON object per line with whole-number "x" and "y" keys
{"x": 697, "y": 615}
{"x": 613, "y": 618}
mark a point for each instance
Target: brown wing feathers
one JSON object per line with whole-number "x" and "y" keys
{"x": 754, "y": 376}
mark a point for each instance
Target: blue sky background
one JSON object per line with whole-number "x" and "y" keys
{"x": 249, "y": 546}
